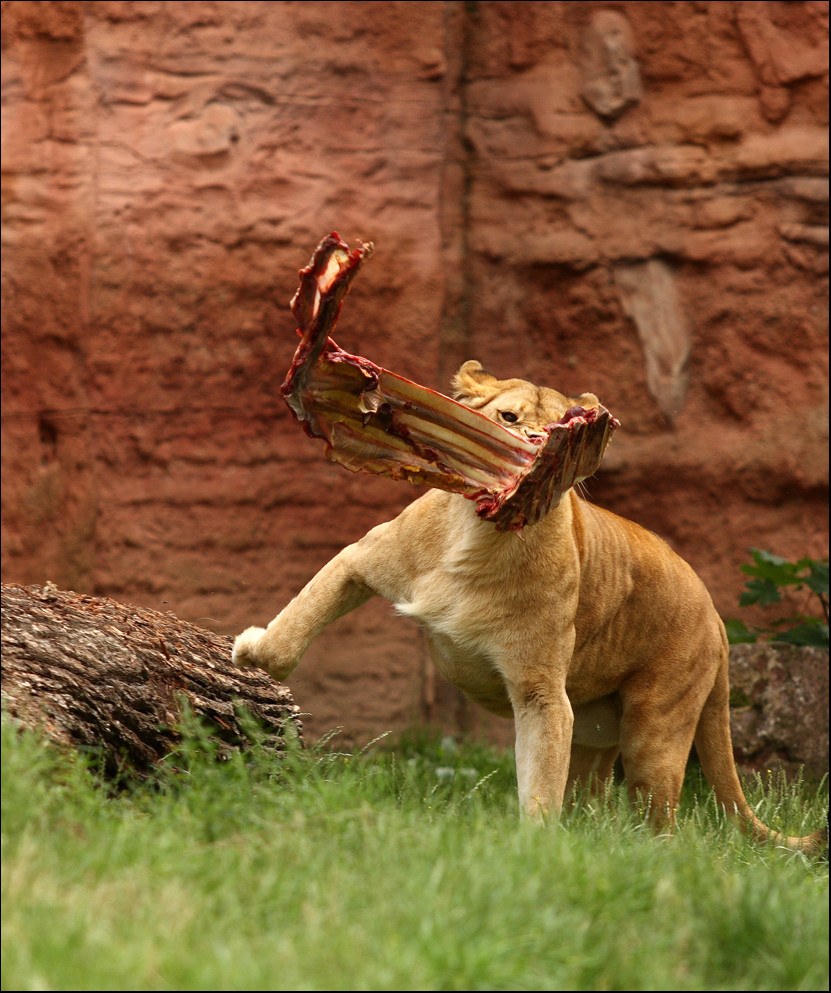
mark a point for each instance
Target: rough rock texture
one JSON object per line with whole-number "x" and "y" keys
{"x": 779, "y": 696}
{"x": 625, "y": 198}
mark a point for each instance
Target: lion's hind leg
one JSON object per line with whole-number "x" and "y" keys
{"x": 655, "y": 745}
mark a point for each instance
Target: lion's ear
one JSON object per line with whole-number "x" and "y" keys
{"x": 587, "y": 400}
{"x": 472, "y": 382}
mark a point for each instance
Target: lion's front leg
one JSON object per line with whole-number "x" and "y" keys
{"x": 334, "y": 591}
{"x": 544, "y": 721}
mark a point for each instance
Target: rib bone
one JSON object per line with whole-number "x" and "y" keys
{"x": 376, "y": 421}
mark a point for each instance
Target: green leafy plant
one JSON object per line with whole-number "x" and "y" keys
{"x": 770, "y": 575}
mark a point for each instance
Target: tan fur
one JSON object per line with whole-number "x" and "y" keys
{"x": 585, "y": 628}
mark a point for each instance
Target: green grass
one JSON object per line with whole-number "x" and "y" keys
{"x": 398, "y": 868}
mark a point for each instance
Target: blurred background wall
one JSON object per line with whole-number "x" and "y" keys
{"x": 626, "y": 198}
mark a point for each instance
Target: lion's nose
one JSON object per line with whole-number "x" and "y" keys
{"x": 532, "y": 435}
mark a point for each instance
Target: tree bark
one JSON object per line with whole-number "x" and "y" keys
{"x": 96, "y": 674}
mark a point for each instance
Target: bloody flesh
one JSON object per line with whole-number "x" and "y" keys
{"x": 376, "y": 421}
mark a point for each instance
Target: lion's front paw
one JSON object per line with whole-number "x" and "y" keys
{"x": 244, "y": 654}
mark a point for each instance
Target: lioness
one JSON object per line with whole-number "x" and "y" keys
{"x": 585, "y": 628}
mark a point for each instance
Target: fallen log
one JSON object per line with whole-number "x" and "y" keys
{"x": 96, "y": 674}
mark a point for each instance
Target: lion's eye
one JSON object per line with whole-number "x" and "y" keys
{"x": 508, "y": 416}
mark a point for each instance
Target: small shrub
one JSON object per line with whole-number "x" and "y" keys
{"x": 770, "y": 575}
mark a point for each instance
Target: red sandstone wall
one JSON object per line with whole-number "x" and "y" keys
{"x": 628, "y": 198}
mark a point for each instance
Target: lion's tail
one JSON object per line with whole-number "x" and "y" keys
{"x": 715, "y": 753}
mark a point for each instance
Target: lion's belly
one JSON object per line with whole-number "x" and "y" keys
{"x": 597, "y": 723}
{"x": 470, "y": 671}
{"x": 464, "y": 631}
{"x": 459, "y": 648}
